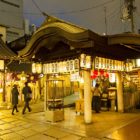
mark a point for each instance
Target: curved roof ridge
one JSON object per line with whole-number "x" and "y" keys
{"x": 126, "y": 38}
{"x": 51, "y": 19}
{"x": 52, "y": 26}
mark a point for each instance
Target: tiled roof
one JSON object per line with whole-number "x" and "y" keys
{"x": 5, "y": 52}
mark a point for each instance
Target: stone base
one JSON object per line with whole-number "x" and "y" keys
{"x": 54, "y": 115}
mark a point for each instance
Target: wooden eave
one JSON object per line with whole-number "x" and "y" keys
{"x": 47, "y": 41}
{"x": 5, "y": 52}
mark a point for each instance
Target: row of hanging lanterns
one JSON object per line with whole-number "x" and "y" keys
{"x": 56, "y": 67}
{"x": 84, "y": 62}
{"x": 61, "y": 67}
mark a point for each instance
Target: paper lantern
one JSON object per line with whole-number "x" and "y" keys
{"x": 76, "y": 64}
{"x": 33, "y": 68}
{"x": 82, "y": 60}
{"x": 101, "y": 72}
{"x": 96, "y": 62}
{"x": 45, "y": 68}
{"x": 88, "y": 62}
{"x": 71, "y": 65}
{"x": 38, "y": 68}
{"x": 1, "y": 64}
{"x": 112, "y": 77}
{"x": 138, "y": 62}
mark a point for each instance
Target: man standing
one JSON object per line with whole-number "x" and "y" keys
{"x": 27, "y": 97}
{"x": 96, "y": 98}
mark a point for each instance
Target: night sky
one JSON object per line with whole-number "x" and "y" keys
{"x": 98, "y": 15}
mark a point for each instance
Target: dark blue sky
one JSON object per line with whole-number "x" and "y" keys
{"x": 98, "y": 15}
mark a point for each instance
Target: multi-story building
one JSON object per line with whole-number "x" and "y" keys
{"x": 11, "y": 16}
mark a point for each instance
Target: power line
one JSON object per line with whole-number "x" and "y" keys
{"x": 36, "y": 5}
{"x": 68, "y": 12}
{"x": 86, "y": 9}
{"x": 74, "y": 11}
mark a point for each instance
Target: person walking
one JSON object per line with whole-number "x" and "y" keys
{"x": 27, "y": 97}
{"x": 96, "y": 98}
{"x": 15, "y": 94}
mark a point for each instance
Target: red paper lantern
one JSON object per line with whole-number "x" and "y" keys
{"x": 95, "y": 72}
{"x": 101, "y": 72}
{"x": 106, "y": 75}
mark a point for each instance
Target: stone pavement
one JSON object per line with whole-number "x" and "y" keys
{"x": 33, "y": 125}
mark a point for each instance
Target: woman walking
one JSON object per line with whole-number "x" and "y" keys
{"x": 15, "y": 94}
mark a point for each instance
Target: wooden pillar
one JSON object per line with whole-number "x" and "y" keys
{"x": 81, "y": 90}
{"x": 119, "y": 85}
{"x": 45, "y": 92}
{"x": 87, "y": 98}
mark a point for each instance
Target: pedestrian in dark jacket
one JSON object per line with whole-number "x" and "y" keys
{"x": 15, "y": 94}
{"x": 27, "y": 97}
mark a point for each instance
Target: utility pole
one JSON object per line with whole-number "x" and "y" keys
{"x": 105, "y": 21}
{"x": 131, "y": 9}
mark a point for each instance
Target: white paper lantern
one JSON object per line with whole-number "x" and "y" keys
{"x": 1, "y": 64}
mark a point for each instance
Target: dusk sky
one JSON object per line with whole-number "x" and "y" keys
{"x": 98, "y": 15}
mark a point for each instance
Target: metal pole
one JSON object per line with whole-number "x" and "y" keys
{"x": 131, "y": 9}
{"x": 132, "y": 16}
{"x": 105, "y": 21}
{"x": 4, "y": 84}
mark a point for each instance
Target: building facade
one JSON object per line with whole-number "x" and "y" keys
{"x": 11, "y": 15}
